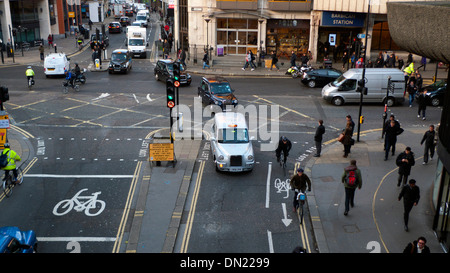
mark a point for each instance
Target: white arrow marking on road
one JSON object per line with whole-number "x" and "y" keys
{"x": 285, "y": 221}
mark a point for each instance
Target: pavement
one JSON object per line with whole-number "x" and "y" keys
{"x": 377, "y": 213}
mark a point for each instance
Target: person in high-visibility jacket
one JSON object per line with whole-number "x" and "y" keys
{"x": 12, "y": 158}
{"x": 29, "y": 73}
{"x": 407, "y": 73}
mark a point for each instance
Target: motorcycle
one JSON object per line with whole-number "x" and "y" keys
{"x": 81, "y": 78}
{"x": 293, "y": 71}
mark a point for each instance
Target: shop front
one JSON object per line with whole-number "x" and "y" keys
{"x": 284, "y": 36}
{"x": 337, "y": 32}
{"x": 236, "y": 35}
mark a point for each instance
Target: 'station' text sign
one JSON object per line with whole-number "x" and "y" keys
{"x": 161, "y": 152}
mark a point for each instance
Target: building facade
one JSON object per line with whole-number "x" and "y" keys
{"x": 324, "y": 27}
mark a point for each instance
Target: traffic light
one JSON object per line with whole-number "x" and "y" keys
{"x": 176, "y": 74}
{"x": 170, "y": 93}
{"x": 361, "y": 87}
{"x": 4, "y": 95}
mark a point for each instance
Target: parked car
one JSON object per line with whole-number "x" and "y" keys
{"x": 217, "y": 90}
{"x": 125, "y": 21}
{"x": 56, "y": 64}
{"x": 320, "y": 77}
{"x": 435, "y": 85}
{"x": 115, "y": 27}
{"x": 164, "y": 70}
{"x": 102, "y": 41}
{"x": 13, "y": 240}
{"x": 121, "y": 61}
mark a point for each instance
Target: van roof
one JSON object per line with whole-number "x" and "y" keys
{"x": 230, "y": 119}
{"x": 56, "y": 55}
{"x": 390, "y": 71}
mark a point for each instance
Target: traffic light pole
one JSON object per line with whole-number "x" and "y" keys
{"x": 363, "y": 74}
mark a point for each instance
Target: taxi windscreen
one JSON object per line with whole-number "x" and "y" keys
{"x": 233, "y": 135}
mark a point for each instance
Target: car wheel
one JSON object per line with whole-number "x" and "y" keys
{"x": 390, "y": 102}
{"x": 338, "y": 101}
{"x": 312, "y": 83}
{"x": 435, "y": 102}
{"x": 156, "y": 77}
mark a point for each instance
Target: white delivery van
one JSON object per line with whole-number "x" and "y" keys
{"x": 56, "y": 64}
{"x": 230, "y": 143}
{"x": 141, "y": 17}
{"x": 137, "y": 41}
{"x": 344, "y": 88}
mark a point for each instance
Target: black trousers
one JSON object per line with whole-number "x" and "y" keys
{"x": 428, "y": 149}
{"x": 402, "y": 177}
{"x": 349, "y": 198}
{"x": 14, "y": 173}
{"x": 408, "y": 207}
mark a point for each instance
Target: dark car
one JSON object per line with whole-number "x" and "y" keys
{"x": 13, "y": 240}
{"x": 102, "y": 41}
{"x": 125, "y": 21}
{"x": 164, "y": 70}
{"x": 435, "y": 97}
{"x": 320, "y": 77}
{"x": 435, "y": 85}
{"x": 121, "y": 61}
{"x": 217, "y": 90}
{"x": 129, "y": 12}
{"x": 115, "y": 27}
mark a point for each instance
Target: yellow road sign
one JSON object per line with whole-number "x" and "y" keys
{"x": 161, "y": 152}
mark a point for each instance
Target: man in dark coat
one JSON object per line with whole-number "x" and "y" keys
{"x": 299, "y": 182}
{"x": 318, "y": 138}
{"x": 404, "y": 161}
{"x": 411, "y": 195}
{"x": 418, "y": 246}
{"x": 428, "y": 139}
{"x": 350, "y": 189}
{"x": 422, "y": 100}
{"x": 390, "y": 138}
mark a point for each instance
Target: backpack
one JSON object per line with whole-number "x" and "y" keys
{"x": 351, "y": 178}
{"x": 4, "y": 159}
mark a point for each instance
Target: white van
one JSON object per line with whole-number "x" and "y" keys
{"x": 56, "y": 64}
{"x": 231, "y": 145}
{"x": 343, "y": 89}
{"x": 142, "y": 18}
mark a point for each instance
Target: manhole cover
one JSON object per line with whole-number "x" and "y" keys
{"x": 351, "y": 229}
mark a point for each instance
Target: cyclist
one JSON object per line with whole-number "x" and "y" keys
{"x": 29, "y": 73}
{"x": 299, "y": 182}
{"x": 12, "y": 158}
{"x": 70, "y": 77}
{"x": 284, "y": 145}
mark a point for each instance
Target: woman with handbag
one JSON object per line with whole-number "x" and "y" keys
{"x": 347, "y": 140}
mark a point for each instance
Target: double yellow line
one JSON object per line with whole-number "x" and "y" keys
{"x": 126, "y": 212}
{"x": 190, "y": 220}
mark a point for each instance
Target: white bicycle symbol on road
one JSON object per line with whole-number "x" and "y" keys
{"x": 80, "y": 203}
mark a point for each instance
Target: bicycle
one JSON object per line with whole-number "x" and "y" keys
{"x": 8, "y": 183}
{"x": 66, "y": 86}
{"x": 282, "y": 161}
{"x": 30, "y": 83}
{"x": 81, "y": 203}
{"x": 301, "y": 197}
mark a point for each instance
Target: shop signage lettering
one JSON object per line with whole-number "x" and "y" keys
{"x": 345, "y": 19}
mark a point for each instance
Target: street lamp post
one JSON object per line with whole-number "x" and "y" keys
{"x": 363, "y": 77}
{"x": 260, "y": 42}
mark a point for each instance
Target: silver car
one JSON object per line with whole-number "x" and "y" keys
{"x": 230, "y": 143}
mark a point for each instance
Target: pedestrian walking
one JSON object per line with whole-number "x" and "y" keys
{"x": 205, "y": 60}
{"x": 352, "y": 179}
{"x": 300, "y": 182}
{"x": 352, "y": 123}
{"x": 320, "y": 130}
{"x": 391, "y": 61}
{"x": 404, "y": 161}
{"x": 293, "y": 58}
{"x": 423, "y": 62}
{"x": 347, "y": 140}
{"x": 411, "y": 195}
{"x": 50, "y": 40}
{"x": 422, "y": 100}
{"x": 419, "y": 80}
{"x": 344, "y": 60}
{"x": 304, "y": 59}
{"x": 429, "y": 140}
{"x": 417, "y": 246}
{"x": 310, "y": 57}
{"x": 411, "y": 89}
{"x": 41, "y": 52}
{"x": 390, "y": 137}
{"x": 248, "y": 61}
{"x": 379, "y": 63}
{"x": 274, "y": 61}
{"x": 353, "y": 60}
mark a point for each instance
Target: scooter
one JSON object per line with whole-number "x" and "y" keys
{"x": 81, "y": 78}
{"x": 293, "y": 71}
